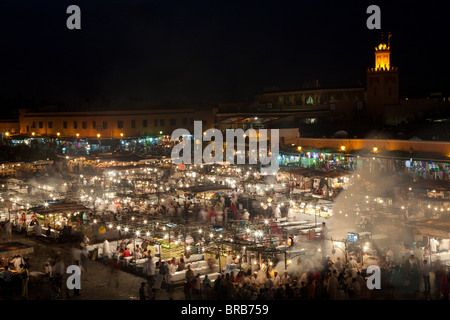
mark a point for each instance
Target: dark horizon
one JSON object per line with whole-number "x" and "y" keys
{"x": 210, "y": 52}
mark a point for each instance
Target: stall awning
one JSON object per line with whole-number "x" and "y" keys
{"x": 59, "y": 207}
{"x": 11, "y": 249}
{"x": 214, "y": 188}
{"x": 430, "y": 232}
{"x": 307, "y": 172}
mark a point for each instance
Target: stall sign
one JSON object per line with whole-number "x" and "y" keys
{"x": 352, "y": 237}
{"x": 157, "y": 248}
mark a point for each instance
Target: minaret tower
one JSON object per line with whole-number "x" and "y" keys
{"x": 382, "y": 56}
{"x": 382, "y": 80}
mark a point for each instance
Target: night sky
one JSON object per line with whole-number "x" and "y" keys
{"x": 211, "y": 51}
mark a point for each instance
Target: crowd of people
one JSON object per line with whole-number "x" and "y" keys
{"x": 15, "y": 275}
{"x": 335, "y": 281}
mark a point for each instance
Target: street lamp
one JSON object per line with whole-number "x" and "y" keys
{"x": 99, "y": 142}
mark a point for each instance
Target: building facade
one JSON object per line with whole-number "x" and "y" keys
{"x": 112, "y": 124}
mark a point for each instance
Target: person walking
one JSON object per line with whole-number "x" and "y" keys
{"x": 142, "y": 295}
{"x": 169, "y": 276}
{"x": 8, "y": 230}
{"x": 7, "y": 280}
{"x": 58, "y": 272}
{"x": 414, "y": 276}
{"x": 206, "y": 281}
{"x": 189, "y": 279}
{"x": 37, "y": 228}
{"x": 323, "y": 238}
{"x": 333, "y": 286}
{"x": 187, "y": 290}
{"x": 355, "y": 289}
{"x": 213, "y": 216}
{"x": 114, "y": 271}
{"x": 444, "y": 286}
{"x": 197, "y": 285}
{"x": 84, "y": 253}
{"x": 25, "y": 275}
{"x": 438, "y": 272}
{"x": 276, "y": 280}
{"x": 47, "y": 268}
{"x": 285, "y": 279}
{"x": 152, "y": 294}
{"x": 426, "y": 277}
{"x": 150, "y": 270}
{"x": 76, "y": 292}
{"x": 163, "y": 270}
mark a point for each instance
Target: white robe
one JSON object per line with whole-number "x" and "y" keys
{"x": 332, "y": 288}
{"x": 106, "y": 249}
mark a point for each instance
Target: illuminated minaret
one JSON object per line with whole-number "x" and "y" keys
{"x": 382, "y": 80}
{"x": 382, "y": 57}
